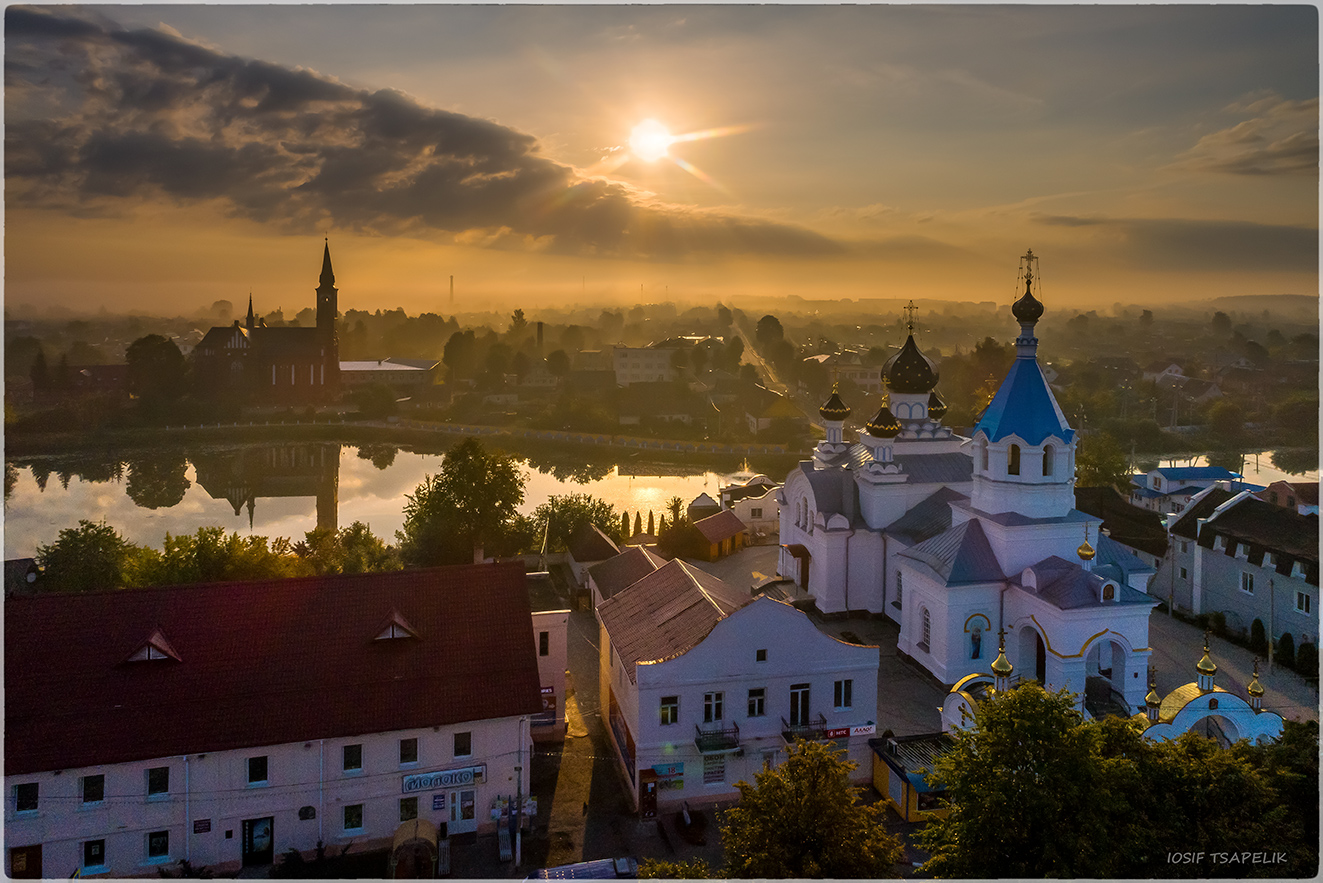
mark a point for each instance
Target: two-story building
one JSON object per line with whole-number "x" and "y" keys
{"x": 1168, "y": 490}
{"x": 704, "y": 685}
{"x": 229, "y": 723}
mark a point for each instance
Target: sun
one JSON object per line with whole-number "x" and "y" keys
{"x": 650, "y": 140}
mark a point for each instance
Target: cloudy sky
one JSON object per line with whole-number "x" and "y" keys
{"x": 161, "y": 157}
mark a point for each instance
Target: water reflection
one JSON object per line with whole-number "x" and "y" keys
{"x": 284, "y": 470}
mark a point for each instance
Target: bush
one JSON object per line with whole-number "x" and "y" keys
{"x": 1286, "y": 650}
{"x": 1217, "y": 621}
{"x": 1306, "y": 660}
{"x": 1258, "y": 640}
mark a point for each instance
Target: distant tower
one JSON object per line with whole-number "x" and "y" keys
{"x": 251, "y": 320}
{"x": 452, "y": 291}
{"x": 327, "y": 312}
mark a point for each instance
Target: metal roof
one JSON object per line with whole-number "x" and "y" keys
{"x": 618, "y": 573}
{"x": 961, "y": 555}
{"x": 1025, "y": 407}
{"x": 1066, "y": 585}
{"x": 928, "y": 518}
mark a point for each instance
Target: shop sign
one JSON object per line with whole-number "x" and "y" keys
{"x": 863, "y": 730}
{"x": 201, "y": 826}
{"x": 470, "y": 775}
{"x": 668, "y": 770}
{"x": 837, "y": 733}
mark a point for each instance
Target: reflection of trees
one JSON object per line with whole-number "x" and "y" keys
{"x": 382, "y": 455}
{"x": 97, "y": 468}
{"x": 1232, "y": 460}
{"x": 569, "y": 467}
{"x": 1295, "y": 460}
{"x": 11, "y": 479}
{"x": 156, "y": 479}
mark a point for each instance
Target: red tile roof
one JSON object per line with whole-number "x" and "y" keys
{"x": 625, "y": 569}
{"x": 666, "y": 613}
{"x": 262, "y": 663}
{"x": 722, "y": 526}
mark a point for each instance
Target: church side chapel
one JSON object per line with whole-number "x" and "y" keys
{"x": 957, "y": 538}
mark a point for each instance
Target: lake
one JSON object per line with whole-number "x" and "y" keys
{"x": 288, "y": 488}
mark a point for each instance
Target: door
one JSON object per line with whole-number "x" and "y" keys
{"x": 461, "y": 811}
{"x": 799, "y": 705}
{"x": 648, "y": 794}
{"x": 25, "y": 862}
{"x": 258, "y": 841}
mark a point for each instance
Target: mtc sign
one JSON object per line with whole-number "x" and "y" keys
{"x": 847, "y": 732}
{"x": 469, "y": 775}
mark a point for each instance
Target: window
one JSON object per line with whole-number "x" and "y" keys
{"x": 408, "y": 809}
{"x": 927, "y": 630}
{"x": 94, "y": 853}
{"x": 670, "y": 710}
{"x": 25, "y": 797}
{"x": 158, "y": 780}
{"x": 1013, "y": 460}
{"x": 409, "y": 750}
{"x": 93, "y": 788}
{"x": 1247, "y": 582}
{"x": 755, "y": 513}
{"x": 1185, "y": 574}
{"x": 1219, "y": 543}
{"x": 1269, "y": 560}
{"x": 799, "y": 705}
{"x": 463, "y": 744}
{"x": 257, "y": 770}
{"x": 1185, "y": 547}
{"x": 843, "y": 698}
{"x": 1303, "y": 602}
{"x": 714, "y": 769}
{"x": 1049, "y": 454}
{"x": 158, "y": 845}
{"x": 760, "y": 656}
{"x": 900, "y": 589}
{"x": 1157, "y": 482}
{"x": 353, "y": 758}
{"x": 983, "y": 456}
{"x": 757, "y": 700}
{"x": 1272, "y": 497}
{"x": 543, "y": 643}
{"x": 354, "y": 817}
{"x": 712, "y": 704}
{"x": 1109, "y": 592}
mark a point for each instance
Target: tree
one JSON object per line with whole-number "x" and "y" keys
{"x": 376, "y": 401}
{"x": 558, "y": 363}
{"x": 690, "y": 869}
{"x": 1030, "y": 763}
{"x": 567, "y": 513}
{"x": 675, "y": 506}
{"x": 638, "y": 522}
{"x": 724, "y": 316}
{"x": 769, "y": 330}
{"x": 517, "y": 323}
{"x": 379, "y": 454}
{"x": 1286, "y": 650}
{"x": 156, "y": 369}
{"x": 472, "y": 502}
{"x": 1221, "y": 323}
{"x": 40, "y": 372}
{"x": 804, "y": 819}
{"x": 89, "y": 557}
{"x": 211, "y": 555}
{"x": 157, "y": 479}
{"x": 1226, "y": 424}
{"x": 461, "y": 354}
{"x": 352, "y": 549}
{"x": 624, "y": 516}
{"x": 652, "y": 524}
{"x": 1100, "y": 462}
{"x": 1146, "y": 319}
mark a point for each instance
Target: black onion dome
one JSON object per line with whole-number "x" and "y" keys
{"x": 884, "y": 424}
{"x": 834, "y": 408}
{"x": 936, "y": 407}
{"x": 910, "y": 371}
{"x": 1028, "y": 309}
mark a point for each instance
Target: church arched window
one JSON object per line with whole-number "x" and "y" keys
{"x": 1049, "y": 454}
{"x": 983, "y": 455}
{"x": 1013, "y": 460}
{"x": 927, "y": 628}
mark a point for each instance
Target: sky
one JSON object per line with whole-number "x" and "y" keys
{"x": 161, "y": 157}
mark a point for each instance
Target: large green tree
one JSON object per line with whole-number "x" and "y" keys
{"x": 1100, "y": 462}
{"x": 1035, "y": 791}
{"x": 566, "y": 514}
{"x": 157, "y": 370}
{"x": 470, "y": 504}
{"x": 87, "y": 558}
{"x": 352, "y": 549}
{"x": 211, "y": 555}
{"x": 804, "y": 819}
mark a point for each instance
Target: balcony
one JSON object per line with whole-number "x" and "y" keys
{"x": 811, "y": 730}
{"x": 716, "y": 738}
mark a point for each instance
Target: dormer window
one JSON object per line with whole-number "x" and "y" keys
{"x": 1219, "y": 543}
{"x": 395, "y": 627}
{"x": 1298, "y": 569}
{"x": 1109, "y": 592}
{"x": 155, "y": 648}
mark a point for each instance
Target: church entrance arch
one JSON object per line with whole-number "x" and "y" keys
{"x": 1218, "y": 728}
{"x": 1033, "y": 649}
{"x": 1107, "y": 659}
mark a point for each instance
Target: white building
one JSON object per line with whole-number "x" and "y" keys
{"x": 228, "y": 723}
{"x": 703, "y": 685}
{"x": 644, "y": 364}
{"x": 957, "y": 538}
{"x": 1170, "y": 489}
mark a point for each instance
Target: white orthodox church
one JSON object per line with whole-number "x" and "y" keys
{"x": 957, "y": 538}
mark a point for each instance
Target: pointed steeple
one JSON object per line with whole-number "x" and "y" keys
{"x": 328, "y": 275}
{"x": 251, "y": 321}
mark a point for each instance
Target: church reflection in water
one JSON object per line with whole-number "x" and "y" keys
{"x": 274, "y": 470}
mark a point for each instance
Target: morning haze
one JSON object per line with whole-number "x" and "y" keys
{"x": 159, "y": 158}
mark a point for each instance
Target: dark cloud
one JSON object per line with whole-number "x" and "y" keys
{"x": 1281, "y": 138}
{"x": 98, "y": 115}
{"x": 1174, "y": 244}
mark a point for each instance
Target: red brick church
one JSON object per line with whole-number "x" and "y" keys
{"x": 287, "y": 364}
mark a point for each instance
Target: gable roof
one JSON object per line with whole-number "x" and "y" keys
{"x": 588, "y": 543}
{"x": 1195, "y": 473}
{"x": 927, "y": 519}
{"x": 722, "y": 526}
{"x": 1024, "y": 406}
{"x": 622, "y": 571}
{"x": 1201, "y": 506}
{"x": 960, "y": 555}
{"x": 262, "y": 663}
{"x": 666, "y": 613}
{"x": 1263, "y": 527}
{"x": 1068, "y": 586}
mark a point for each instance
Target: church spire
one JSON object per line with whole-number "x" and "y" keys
{"x": 251, "y": 321}
{"x": 328, "y": 275}
{"x": 1027, "y": 310}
